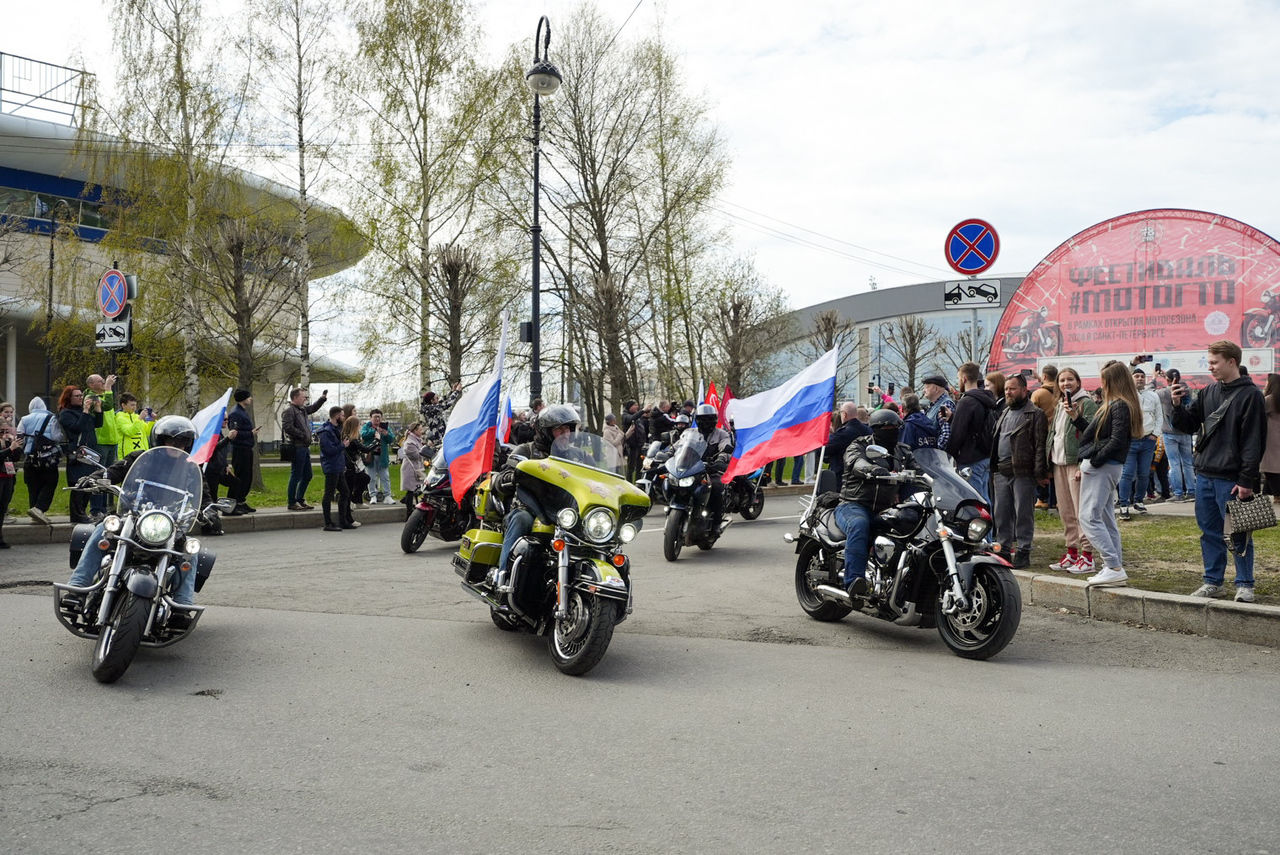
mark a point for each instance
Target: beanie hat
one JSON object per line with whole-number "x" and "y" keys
{"x": 240, "y": 395}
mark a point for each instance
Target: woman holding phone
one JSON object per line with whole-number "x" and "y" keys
{"x": 1063, "y": 448}
{"x": 1104, "y": 445}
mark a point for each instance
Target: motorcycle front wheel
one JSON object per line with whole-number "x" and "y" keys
{"x": 755, "y": 505}
{"x": 811, "y": 571}
{"x": 673, "y": 535}
{"x": 1253, "y": 333}
{"x": 415, "y": 531}
{"x": 118, "y": 643}
{"x": 995, "y": 609}
{"x": 578, "y": 642}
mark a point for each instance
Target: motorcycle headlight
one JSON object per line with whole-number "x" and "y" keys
{"x": 111, "y": 523}
{"x": 598, "y": 525}
{"x": 155, "y": 528}
{"x": 686, "y": 482}
{"x": 192, "y": 546}
{"x": 627, "y": 533}
{"x": 567, "y": 518}
{"x": 977, "y": 530}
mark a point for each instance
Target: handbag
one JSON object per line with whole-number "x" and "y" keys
{"x": 1248, "y": 515}
{"x": 286, "y": 450}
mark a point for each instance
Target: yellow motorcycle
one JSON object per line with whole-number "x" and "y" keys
{"x": 568, "y": 578}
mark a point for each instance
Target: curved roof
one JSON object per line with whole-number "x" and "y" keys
{"x": 48, "y": 149}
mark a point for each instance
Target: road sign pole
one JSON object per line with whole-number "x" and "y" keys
{"x": 973, "y": 335}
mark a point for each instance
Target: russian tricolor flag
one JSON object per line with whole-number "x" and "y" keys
{"x": 792, "y": 419}
{"x": 504, "y": 420}
{"x": 471, "y": 434}
{"x": 208, "y": 424}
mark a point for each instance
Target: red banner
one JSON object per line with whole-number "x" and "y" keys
{"x": 1163, "y": 282}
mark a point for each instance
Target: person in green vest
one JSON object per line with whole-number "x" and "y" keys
{"x": 134, "y": 432}
{"x": 108, "y": 435}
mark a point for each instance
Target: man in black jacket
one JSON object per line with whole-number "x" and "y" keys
{"x": 865, "y": 493}
{"x": 1231, "y": 419}
{"x": 1018, "y": 463}
{"x": 849, "y": 430}
{"x": 971, "y": 427}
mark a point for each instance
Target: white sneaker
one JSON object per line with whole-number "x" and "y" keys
{"x": 1244, "y": 595}
{"x": 39, "y": 516}
{"x": 1082, "y": 567}
{"x": 1066, "y": 562}
{"x": 1209, "y": 591}
{"x": 1109, "y": 578}
{"x": 389, "y": 501}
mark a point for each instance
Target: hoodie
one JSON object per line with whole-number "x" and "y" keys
{"x": 1229, "y": 447}
{"x": 30, "y": 424}
{"x": 972, "y": 427}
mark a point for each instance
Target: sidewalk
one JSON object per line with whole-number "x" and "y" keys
{"x": 26, "y": 531}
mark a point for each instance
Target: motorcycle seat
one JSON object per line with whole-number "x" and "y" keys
{"x": 827, "y": 519}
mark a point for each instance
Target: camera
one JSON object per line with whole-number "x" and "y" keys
{"x": 1141, "y": 358}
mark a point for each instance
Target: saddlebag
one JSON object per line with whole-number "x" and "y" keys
{"x": 480, "y": 550}
{"x": 204, "y": 565}
{"x": 79, "y": 538}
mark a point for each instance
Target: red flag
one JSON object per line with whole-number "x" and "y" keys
{"x": 723, "y": 405}
{"x": 713, "y": 398}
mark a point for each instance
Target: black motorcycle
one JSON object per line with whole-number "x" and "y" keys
{"x": 687, "y": 489}
{"x": 144, "y": 547}
{"x": 436, "y": 513}
{"x": 929, "y": 565}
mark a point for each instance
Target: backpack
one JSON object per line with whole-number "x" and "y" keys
{"x": 45, "y": 452}
{"x": 987, "y": 438}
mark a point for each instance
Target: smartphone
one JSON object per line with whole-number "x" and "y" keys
{"x": 1027, "y": 372}
{"x": 871, "y": 388}
{"x": 1069, "y": 397}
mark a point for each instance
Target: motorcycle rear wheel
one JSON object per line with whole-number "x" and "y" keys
{"x": 810, "y": 561}
{"x": 415, "y": 531}
{"x": 1253, "y": 333}
{"x": 673, "y": 535}
{"x": 118, "y": 643}
{"x": 989, "y": 625}
{"x": 755, "y": 506}
{"x": 578, "y": 642}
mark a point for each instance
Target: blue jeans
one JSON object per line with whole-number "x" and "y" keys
{"x": 1211, "y": 509}
{"x": 1136, "y": 473}
{"x": 1182, "y": 478}
{"x": 379, "y": 480}
{"x": 91, "y": 560}
{"x": 979, "y": 476}
{"x": 855, "y": 521}
{"x": 519, "y": 522}
{"x": 299, "y": 474}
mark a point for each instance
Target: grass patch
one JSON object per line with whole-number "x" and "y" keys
{"x": 275, "y": 481}
{"x": 1162, "y": 553}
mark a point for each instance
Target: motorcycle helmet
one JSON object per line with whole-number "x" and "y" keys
{"x": 176, "y": 431}
{"x": 552, "y": 417}
{"x": 885, "y": 426}
{"x": 682, "y": 421}
{"x": 706, "y": 417}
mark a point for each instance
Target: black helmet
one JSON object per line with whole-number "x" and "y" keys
{"x": 552, "y": 417}
{"x": 176, "y": 431}
{"x": 885, "y": 425}
{"x": 706, "y": 417}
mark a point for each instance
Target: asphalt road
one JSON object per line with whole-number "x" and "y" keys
{"x": 341, "y": 696}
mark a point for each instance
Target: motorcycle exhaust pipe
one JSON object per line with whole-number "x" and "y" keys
{"x": 836, "y": 595}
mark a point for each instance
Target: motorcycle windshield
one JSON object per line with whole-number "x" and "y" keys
{"x": 687, "y": 453}
{"x": 589, "y": 449}
{"x": 949, "y": 489}
{"x": 164, "y": 479}
{"x": 439, "y": 469}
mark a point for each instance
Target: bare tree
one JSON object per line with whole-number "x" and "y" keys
{"x": 828, "y": 330}
{"x": 954, "y": 352}
{"x": 742, "y": 323}
{"x": 913, "y": 340}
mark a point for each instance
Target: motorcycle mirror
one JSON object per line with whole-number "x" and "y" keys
{"x": 87, "y": 455}
{"x": 877, "y": 452}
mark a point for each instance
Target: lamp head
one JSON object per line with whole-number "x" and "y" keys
{"x": 544, "y": 78}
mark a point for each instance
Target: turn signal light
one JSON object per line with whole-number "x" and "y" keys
{"x": 619, "y": 560}
{"x": 995, "y": 547}
{"x": 558, "y": 545}
{"x": 104, "y": 544}
{"x": 186, "y": 566}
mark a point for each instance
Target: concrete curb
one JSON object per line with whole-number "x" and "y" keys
{"x": 266, "y": 519}
{"x": 1248, "y": 623}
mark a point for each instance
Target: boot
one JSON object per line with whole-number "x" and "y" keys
{"x": 1022, "y": 559}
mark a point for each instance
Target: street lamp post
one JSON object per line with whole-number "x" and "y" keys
{"x": 48, "y": 314}
{"x": 543, "y": 79}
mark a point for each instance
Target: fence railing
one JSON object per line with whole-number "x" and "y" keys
{"x": 40, "y": 90}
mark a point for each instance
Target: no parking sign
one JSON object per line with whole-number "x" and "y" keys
{"x": 971, "y": 247}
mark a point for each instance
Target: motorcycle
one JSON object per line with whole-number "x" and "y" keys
{"x": 745, "y": 495}
{"x": 145, "y": 546}
{"x": 568, "y": 578}
{"x": 1259, "y": 327}
{"x": 687, "y": 486}
{"x": 1035, "y": 334}
{"x": 436, "y": 513}
{"x": 929, "y": 565}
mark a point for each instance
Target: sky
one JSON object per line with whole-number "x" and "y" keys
{"x": 859, "y": 133}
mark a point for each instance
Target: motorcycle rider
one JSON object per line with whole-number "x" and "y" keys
{"x": 864, "y": 494}
{"x": 175, "y": 431}
{"x": 719, "y": 450}
{"x": 553, "y": 432}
